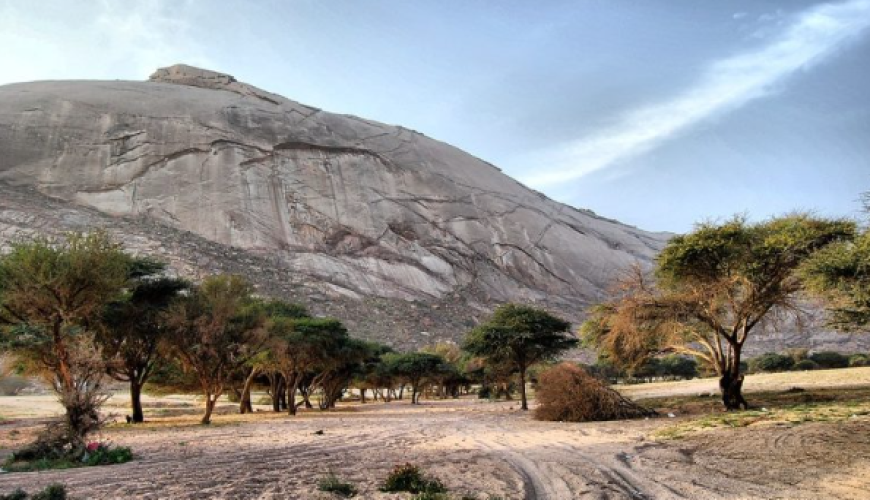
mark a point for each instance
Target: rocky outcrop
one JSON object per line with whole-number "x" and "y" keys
{"x": 404, "y": 237}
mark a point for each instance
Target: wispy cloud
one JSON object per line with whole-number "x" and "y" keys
{"x": 106, "y": 39}
{"x": 726, "y": 85}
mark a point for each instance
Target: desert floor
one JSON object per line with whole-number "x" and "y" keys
{"x": 806, "y": 443}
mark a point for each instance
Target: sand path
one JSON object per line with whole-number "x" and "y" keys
{"x": 475, "y": 447}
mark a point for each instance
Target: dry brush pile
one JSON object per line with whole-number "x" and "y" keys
{"x": 567, "y": 393}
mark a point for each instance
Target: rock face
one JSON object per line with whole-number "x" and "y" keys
{"x": 405, "y": 238}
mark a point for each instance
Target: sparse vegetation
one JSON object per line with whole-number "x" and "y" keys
{"x": 785, "y": 407}
{"x": 410, "y": 478}
{"x": 51, "y": 492}
{"x": 332, "y": 484}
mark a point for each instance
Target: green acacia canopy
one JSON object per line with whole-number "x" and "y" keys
{"x": 520, "y": 334}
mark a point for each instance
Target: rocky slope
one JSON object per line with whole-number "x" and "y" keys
{"x": 405, "y": 238}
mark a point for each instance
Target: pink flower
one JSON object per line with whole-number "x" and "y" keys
{"x": 93, "y": 446}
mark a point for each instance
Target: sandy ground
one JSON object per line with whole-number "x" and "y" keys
{"x": 475, "y": 447}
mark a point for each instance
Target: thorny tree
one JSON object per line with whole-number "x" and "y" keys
{"x": 520, "y": 336}
{"x": 132, "y": 327}
{"x": 714, "y": 287}
{"x": 214, "y": 331}
{"x": 52, "y": 293}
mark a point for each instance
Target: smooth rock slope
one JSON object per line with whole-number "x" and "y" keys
{"x": 404, "y": 237}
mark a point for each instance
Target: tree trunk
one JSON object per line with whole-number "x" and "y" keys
{"x": 362, "y": 395}
{"x": 209, "y": 407}
{"x": 136, "y": 401}
{"x": 291, "y": 395}
{"x": 275, "y": 391}
{"x": 525, "y": 403}
{"x": 731, "y": 383}
{"x": 245, "y": 405}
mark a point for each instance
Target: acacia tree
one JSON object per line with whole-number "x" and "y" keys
{"x": 416, "y": 368}
{"x": 269, "y": 360}
{"x": 338, "y": 367}
{"x": 519, "y": 336}
{"x": 214, "y": 331}
{"x": 840, "y": 274}
{"x": 132, "y": 328}
{"x": 713, "y": 287}
{"x": 302, "y": 344}
{"x": 51, "y": 294}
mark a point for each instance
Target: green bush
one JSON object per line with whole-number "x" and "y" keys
{"x": 770, "y": 362}
{"x": 103, "y": 454}
{"x": 830, "y": 359}
{"x": 47, "y": 454}
{"x": 409, "y": 478}
{"x": 674, "y": 365}
{"x": 330, "y": 483}
{"x": 859, "y": 360}
{"x": 805, "y": 365}
{"x": 51, "y": 492}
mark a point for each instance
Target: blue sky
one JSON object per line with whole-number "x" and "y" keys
{"x": 657, "y": 113}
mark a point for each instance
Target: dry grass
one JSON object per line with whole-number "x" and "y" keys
{"x": 789, "y": 407}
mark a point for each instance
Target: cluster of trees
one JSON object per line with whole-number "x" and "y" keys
{"x": 802, "y": 360}
{"x": 667, "y": 367}
{"x": 79, "y": 310}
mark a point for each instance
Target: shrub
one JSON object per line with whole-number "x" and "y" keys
{"x": 830, "y": 359}
{"x": 409, "y": 478}
{"x": 52, "y": 452}
{"x": 678, "y": 366}
{"x": 51, "y": 492}
{"x": 804, "y": 365}
{"x": 859, "y": 360}
{"x": 331, "y": 484}
{"x": 798, "y": 354}
{"x": 103, "y": 454}
{"x": 770, "y": 362}
{"x": 18, "y": 494}
{"x": 568, "y": 393}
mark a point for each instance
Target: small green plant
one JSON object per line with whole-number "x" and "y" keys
{"x": 332, "y": 484}
{"x": 103, "y": 454}
{"x": 39, "y": 456}
{"x": 51, "y": 492}
{"x": 409, "y": 478}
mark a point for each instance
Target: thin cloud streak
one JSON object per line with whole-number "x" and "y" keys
{"x": 726, "y": 85}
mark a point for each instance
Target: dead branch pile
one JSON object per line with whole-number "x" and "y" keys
{"x": 567, "y": 393}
